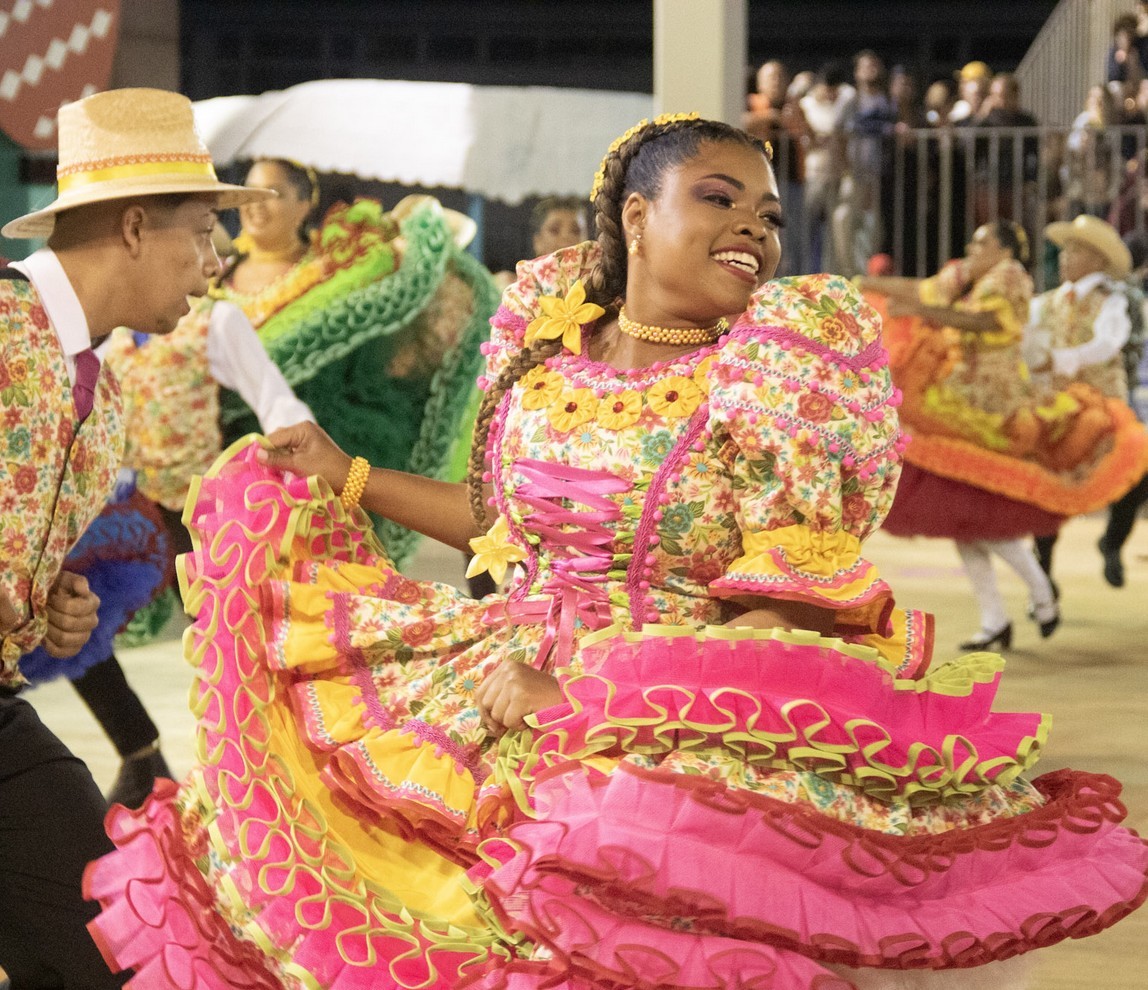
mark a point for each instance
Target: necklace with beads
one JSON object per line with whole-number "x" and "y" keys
{"x": 679, "y": 336}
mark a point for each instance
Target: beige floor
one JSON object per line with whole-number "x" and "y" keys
{"x": 1092, "y": 675}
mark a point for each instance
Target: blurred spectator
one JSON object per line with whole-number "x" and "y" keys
{"x": 998, "y": 173}
{"x": 824, "y": 107}
{"x": 1092, "y": 164}
{"x": 557, "y": 222}
{"x": 802, "y": 83}
{"x": 774, "y": 116}
{"x": 973, "y": 82}
{"x": 868, "y": 121}
{"x": 1125, "y": 54}
{"x": 940, "y": 101}
{"x": 908, "y": 110}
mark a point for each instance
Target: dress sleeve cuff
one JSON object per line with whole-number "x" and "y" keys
{"x": 820, "y": 568}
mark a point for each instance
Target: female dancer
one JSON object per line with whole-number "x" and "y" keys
{"x": 675, "y": 754}
{"x": 991, "y": 462}
{"x": 374, "y": 318}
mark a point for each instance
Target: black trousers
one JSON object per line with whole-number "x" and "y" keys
{"x": 51, "y": 826}
{"x": 1122, "y": 514}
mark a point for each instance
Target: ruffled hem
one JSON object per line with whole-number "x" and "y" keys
{"x": 1109, "y": 477}
{"x": 928, "y": 505}
{"x": 606, "y": 881}
{"x": 819, "y": 568}
{"x": 326, "y": 897}
{"x": 792, "y": 701}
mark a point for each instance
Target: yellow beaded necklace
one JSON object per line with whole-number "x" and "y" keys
{"x": 679, "y": 336}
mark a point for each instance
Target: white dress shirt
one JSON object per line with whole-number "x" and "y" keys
{"x": 238, "y": 360}
{"x": 1110, "y": 330}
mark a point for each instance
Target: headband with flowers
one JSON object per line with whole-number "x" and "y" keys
{"x": 660, "y": 120}
{"x": 641, "y": 125}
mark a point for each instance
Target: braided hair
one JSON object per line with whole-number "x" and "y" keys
{"x": 637, "y": 164}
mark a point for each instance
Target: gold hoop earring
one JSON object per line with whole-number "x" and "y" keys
{"x": 634, "y": 244}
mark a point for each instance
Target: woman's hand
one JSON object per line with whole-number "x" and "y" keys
{"x": 512, "y": 691}
{"x": 71, "y": 612}
{"x": 305, "y": 449}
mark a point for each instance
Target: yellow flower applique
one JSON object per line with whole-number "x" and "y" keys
{"x": 542, "y": 387}
{"x": 701, "y": 374}
{"x": 618, "y": 412}
{"x": 564, "y": 318}
{"x": 494, "y": 552}
{"x": 674, "y": 396}
{"x": 572, "y": 408}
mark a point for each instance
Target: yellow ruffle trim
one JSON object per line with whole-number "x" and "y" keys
{"x": 798, "y": 563}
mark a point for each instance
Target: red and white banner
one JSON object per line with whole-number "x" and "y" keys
{"x": 51, "y": 52}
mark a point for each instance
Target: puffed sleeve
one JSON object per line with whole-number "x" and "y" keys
{"x": 802, "y": 395}
{"x": 549, "y": 275}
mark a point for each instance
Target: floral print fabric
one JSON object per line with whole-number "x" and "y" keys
{"x": 55, "y": 473}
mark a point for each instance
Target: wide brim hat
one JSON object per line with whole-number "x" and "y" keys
{"x": 125, "y": 143}
{"x": 462, "y": 228}
{"x": 1095, "y": 233}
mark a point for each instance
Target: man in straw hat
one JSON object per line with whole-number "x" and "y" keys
{"x": 129, "y": 240}
{"x": 1077, "y": 331}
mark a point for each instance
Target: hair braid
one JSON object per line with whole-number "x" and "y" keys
{"x": 521, "y": 363}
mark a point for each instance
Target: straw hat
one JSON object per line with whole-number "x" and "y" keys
{"x": 1094, "y": 233}
{"x": 462, "y": 227}
{"x": 126, "y": 143}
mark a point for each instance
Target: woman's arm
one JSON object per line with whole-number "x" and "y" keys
{"x": 893, "y": 286}
{"x": 965, "y": 320}
{"x": 438, "y": 509}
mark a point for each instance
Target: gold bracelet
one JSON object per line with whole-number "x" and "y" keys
{"x": 356, "y": 482}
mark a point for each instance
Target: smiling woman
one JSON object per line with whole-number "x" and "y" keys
{"x": 694, "y": 744}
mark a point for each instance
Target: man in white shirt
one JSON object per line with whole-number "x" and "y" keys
{"x": 130, "y": 240}
{"x": 1077, "y": 331}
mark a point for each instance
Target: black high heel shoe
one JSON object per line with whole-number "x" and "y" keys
{"x": 999, "y": 640}
{"x": 1048, "y": 627}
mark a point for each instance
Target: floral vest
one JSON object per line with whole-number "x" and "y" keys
{"x": 171, "y": 406}
{"x": 1069, "y": 324}
{"x": 55, "y": 474}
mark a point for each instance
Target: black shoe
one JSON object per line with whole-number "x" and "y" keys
{"x": 137, "y": 775}
{"x": 1031, "y": 610}
{"x": 1000, "y": 640}
{"x": 1048, "y": 627}
{"x": 1113, "y": 566}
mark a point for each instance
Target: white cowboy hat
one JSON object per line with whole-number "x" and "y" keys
{"x": 1094, "y": 233}
{"x": 126, "y": 143}
{"x": 462, "y": 228}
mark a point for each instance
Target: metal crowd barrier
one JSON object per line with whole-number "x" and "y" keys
{"x": 918, "y": 195}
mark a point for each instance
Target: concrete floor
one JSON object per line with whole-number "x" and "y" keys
{"x": 1092, "y": 675}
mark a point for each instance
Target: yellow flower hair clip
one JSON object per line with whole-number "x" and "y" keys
{"x": 564, "y": 318}
{"x": 661, "y": 119}
{"x": 494, "y": 552}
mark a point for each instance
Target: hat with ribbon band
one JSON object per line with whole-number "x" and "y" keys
{"x": 125, "y": 143}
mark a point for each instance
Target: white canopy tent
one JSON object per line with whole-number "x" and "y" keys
{"x": 500, "y": 142}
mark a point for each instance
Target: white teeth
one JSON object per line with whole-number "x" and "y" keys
{"x": 739, "y": 259}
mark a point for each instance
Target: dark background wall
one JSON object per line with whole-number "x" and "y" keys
{"x": 250, "y": 46}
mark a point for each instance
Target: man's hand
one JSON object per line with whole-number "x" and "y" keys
{"x": 511, "y": 692}
{"x": 72, "y": 615}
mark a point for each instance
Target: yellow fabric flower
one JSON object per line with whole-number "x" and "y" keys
{"x": 564, "y": 318}
{"x": 542, "y": 387}
{"x": 494, "y": 552}
{"x": 674, "y": 396}
{"x": 702, "y": 372}
{"x": 618, "y": 412}
{"x": 572, "y": 408}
